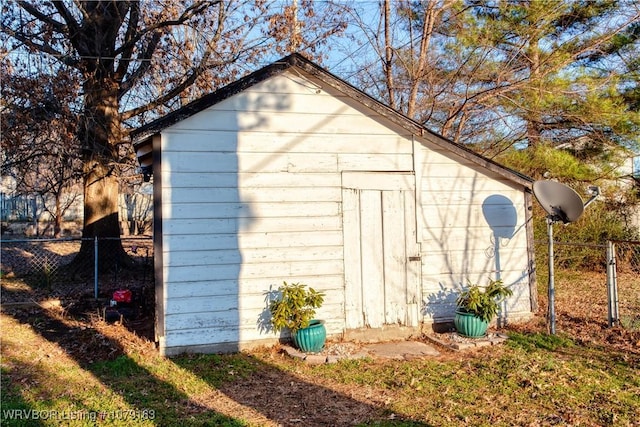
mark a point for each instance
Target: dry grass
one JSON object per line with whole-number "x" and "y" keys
{"x": 66, "y": 359}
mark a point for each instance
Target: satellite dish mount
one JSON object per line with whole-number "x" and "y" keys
{"x": 562, "y": 204}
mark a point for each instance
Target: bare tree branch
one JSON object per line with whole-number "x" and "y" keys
{"x": 29, "y": 8}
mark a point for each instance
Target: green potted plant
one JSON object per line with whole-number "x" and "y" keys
{"x": 477, "y": 306}
{"x": 294, "y": 308}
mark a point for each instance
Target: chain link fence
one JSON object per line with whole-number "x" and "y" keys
{"x": 627, "y": 283}
{"x": 612, "y": 291}
{"x": 53, "y": 264}
{"x": 600, "y": 282}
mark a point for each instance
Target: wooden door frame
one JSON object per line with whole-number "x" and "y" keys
{"x": 352, "y": 184}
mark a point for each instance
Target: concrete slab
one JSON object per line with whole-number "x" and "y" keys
{"x": 398, "y": 350}
{"x": 316, "y": 359}
{"x": 296, "y": 354}
{"x": 401, "y": 350}
{"x": 459, "y": 343}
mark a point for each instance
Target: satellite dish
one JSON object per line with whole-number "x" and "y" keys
{"x": 562, "y": 203}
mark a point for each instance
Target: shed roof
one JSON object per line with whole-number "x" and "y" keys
{"x": 142, "y": 135}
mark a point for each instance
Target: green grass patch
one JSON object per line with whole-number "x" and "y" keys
{"x": 630, "y": 322}
{"x": 536, "y": 378}
{"x": 217, "y": 369}
{"x": 538, "y": 341}
{"x": 174, "y": 388}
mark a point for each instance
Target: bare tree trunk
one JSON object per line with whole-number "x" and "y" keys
{"x": 100, "y": 133}
{"x": 101, "y": 201}
{"x": 431, "y": 14}
{"x": 534, "y": 116}
{"x": 294, "y": 42}
{"x": 388, "y": 53}
{"x": 57, "y": 218}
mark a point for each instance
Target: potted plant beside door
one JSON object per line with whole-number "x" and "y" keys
{"x": 477, "y": 306}
{"x": 294, "y": 308}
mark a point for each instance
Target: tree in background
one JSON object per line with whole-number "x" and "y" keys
{"x": 502, "y": 74}
{"x": 497, "y": 75}
{"x": 546, "y": 87}
{"x": 556, "y": 82}
{"x": 40, "y": 151}
{"x": 396, "y": 51}
{"x": 566, "y": 72}
{"x": 136, "y": 60}
{"x": 507, "y": 78}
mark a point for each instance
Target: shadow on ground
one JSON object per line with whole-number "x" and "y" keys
{"x": 227, "y": 390}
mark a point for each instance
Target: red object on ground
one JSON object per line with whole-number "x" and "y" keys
{"x": 122, "y": 295}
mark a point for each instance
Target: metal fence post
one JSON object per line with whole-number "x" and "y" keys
{"x": 95, "y": 267}
{"x": 614, "y": 271}
{"x": 612, "y": 285}
{"x": 551, "y": 290}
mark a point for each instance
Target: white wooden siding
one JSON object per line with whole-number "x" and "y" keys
{"x": 252, "y": 196}
{"x": 190, "y": 162}
{"x": 248, "y": 210}
{"x": 459, "y": 245}
{"x": 285, "y": 142}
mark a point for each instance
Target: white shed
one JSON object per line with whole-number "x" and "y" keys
{"x": 291, "y": 174}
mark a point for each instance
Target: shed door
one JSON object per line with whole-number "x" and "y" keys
{"x": 382, "y": 260}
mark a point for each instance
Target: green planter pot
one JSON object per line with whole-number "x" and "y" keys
{"x": 469, "y": 325}
{"x": 312, "y": 338}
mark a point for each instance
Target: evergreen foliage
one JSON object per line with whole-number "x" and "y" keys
{"x": 610, "y": 217}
